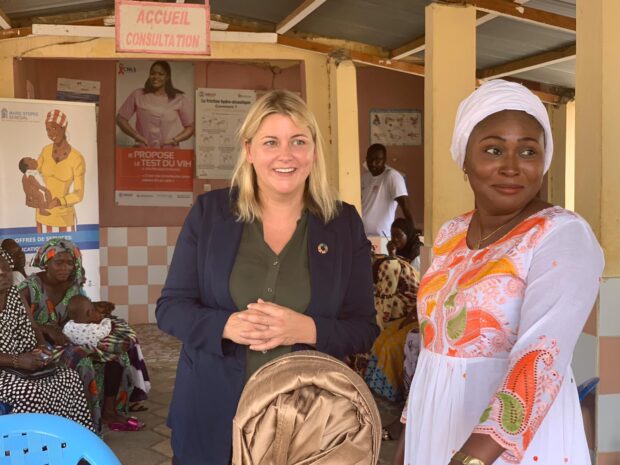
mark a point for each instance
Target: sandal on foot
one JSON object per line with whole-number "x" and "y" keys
{"x": 137, "y": 407}
{"x": 132, "y": 424}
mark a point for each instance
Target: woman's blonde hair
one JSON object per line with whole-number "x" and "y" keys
{"x": 319, "y": 198}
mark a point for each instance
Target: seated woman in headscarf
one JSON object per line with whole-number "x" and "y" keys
{"x": 14, "y": 250}
{"x": 60, "y": 393}
{"x": 395, "y": 287}
{"x": 104, "y": 369}
{"x": 405, "y": 242}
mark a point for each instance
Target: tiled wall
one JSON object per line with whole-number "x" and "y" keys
{"x": 134, "y": 265}
{"x": 608, "y": 401}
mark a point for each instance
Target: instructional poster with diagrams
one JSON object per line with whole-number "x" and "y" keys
{"x": 396, "y": 127}
{"x": 219, "y": 115}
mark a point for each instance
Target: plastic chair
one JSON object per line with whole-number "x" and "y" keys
{"x": 41, "y": 439}
{"x": 587, "y": 387}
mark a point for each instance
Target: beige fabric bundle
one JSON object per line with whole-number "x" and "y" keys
{"x": 306, "y": 408}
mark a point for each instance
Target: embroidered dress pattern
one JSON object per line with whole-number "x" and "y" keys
{"x": 497, "y": 336}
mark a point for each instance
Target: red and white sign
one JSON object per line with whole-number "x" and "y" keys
{"x": 154, "y": 177}
{"x": 153, "y": 27}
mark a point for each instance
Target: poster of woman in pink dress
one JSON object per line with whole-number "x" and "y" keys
{"x": 154, "y": 164}
{"x": 164, "y": 114}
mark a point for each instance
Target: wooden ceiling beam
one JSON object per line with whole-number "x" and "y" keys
{"x": 15, "y": 32}
{"x": 297, "y": 15}
{"x": 520, "y": 12}
{"x": 410, "y": 48}
{"x": 354, "y": 55}
{"x": 538, "y": 60}
{"x": 5, "y": 22}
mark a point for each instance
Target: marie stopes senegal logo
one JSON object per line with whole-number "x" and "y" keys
{"x": 18, "y": 115}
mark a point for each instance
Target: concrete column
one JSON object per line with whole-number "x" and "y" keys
{"x": 344, "y": 129}
{"x": 597, "y": 194}
{"x": 315, "y": 82}
{"x": 450, "y": 75}
{"x": 556, "y": 177}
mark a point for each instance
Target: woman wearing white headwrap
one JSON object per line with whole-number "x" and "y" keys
{"x": 503, "y": 303}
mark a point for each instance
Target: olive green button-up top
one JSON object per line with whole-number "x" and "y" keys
{"x": 283, "y": 278}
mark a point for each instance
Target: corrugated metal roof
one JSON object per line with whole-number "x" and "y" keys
{"x": 503, "y": 39}
{"x": 388, "y": 24}
{"x": 385, "y": 23}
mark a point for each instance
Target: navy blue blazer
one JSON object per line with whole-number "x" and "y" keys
{"x": 196, "y": 303}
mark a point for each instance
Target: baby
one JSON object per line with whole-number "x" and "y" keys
{"x": 86, "y": 325}
{"x": 37, "y": 195}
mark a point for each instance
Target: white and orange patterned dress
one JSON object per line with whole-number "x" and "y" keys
{"x": 499, "y": 326}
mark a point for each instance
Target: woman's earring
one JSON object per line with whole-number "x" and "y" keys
{"x": 464, "y": 175}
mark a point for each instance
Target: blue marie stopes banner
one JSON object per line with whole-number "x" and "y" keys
{"x": 49, "y": 188}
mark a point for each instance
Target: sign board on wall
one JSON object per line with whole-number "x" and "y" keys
{"x": 396, "y": 127}
{"x": 219, "y": 115}
{"x": 155, "y": 27}
{"x": 154, "y": 163}
{"x": 31, "y": 177}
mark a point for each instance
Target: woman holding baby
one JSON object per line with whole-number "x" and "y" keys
{"x": 104, "y": 367}
{"x": 59, "y": 393}
{"x": 63, "y": 170}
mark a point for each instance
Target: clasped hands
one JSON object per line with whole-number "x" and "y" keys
{"x": 265, "y": 325}
{"x": 33, "y": 360}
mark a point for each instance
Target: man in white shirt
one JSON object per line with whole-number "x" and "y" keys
{"x": 383, "y": 190}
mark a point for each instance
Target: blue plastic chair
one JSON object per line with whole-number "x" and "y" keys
{"x": 41, "y": 439}
{"x": 587, "y": 387}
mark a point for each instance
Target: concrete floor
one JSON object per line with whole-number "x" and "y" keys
{"x": 151, "y": 446}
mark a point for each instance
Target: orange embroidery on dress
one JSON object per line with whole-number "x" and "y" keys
{"x": 431, "y": 283}
{"x": 451, "y": 244}
{"x": 430, "y": 307}
{"x": 428, "y": 332}
{"x": 477, "y": 321}
{"x": 480, "y": 255}
{"x": 521, "y": 380}
{"x": 503, "y": 266}
{"x": 458, "y": 259}
{"x": 524, "y": 227}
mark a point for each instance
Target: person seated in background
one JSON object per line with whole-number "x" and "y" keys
{"x": 105, "y": 369}
{"x": 395, "y": 287}
{"x": 60, "y": 392}
{"x": 18, "y": 256}
{"x": 405, "y": 242}
{"x": 86, "y": 325}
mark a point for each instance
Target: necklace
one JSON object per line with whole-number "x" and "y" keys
{"x": 482, "y": 239}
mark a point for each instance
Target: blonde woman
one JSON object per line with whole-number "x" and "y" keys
{"x": 276, "y": 263}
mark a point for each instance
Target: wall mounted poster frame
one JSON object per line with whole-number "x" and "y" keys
{"x": 154, "y": 164}
{"x": 219, "y": 115}
{"x": 395, "y": 127}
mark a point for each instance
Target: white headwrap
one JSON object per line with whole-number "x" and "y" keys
{"x": 492, "y": 97}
